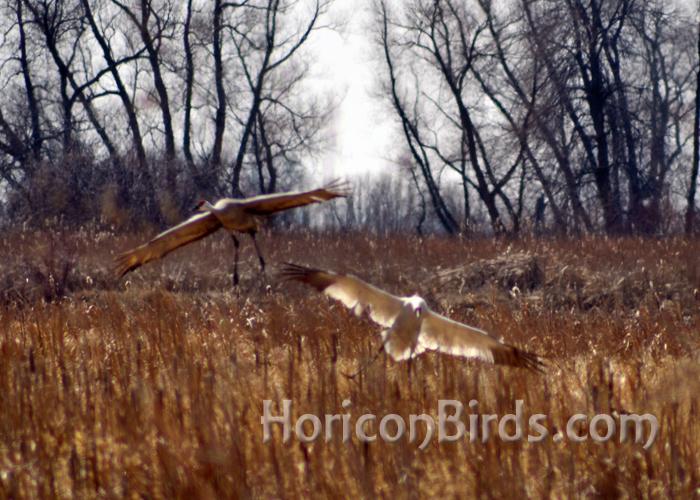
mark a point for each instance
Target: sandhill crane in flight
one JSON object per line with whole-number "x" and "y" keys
{"x": 234, "y": 215}
{"x": 412, "y": 327}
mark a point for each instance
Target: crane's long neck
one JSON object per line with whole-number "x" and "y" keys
{"x": 205, "y": 206}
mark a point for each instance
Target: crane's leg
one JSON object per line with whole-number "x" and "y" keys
{"x": 410, "y": 359}
{"x": 255, "y": 242}
{"x": 351, "y": 377}
{"x": 235, "y": 262}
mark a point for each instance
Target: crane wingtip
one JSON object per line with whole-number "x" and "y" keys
{"x": 122, "y": 264}
{"x": 316, "y": 278}
{"x": 291, "y": 272}
{"x": 339, "y": 188}
{"x": 528, "y": 360}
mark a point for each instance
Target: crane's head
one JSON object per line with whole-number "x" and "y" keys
{"x": 417, "y": 304}
{"x": 201, "y": 206}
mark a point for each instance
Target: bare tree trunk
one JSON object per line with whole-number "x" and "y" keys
{"x": 189, "y": 85}
{"x": 498, "y": 185}
{"x": 596, "y": 92}
{"x": 266, "y": 149}
{"x": 32, "y": 101}
{"x": 486, "y": 195}
{"x": 163, "y": 99}
{"x": 465, "y": 186}
{"x": 220, "y": 118}
{"x": 271, "y": 31}
{"x": 690, "y": 209}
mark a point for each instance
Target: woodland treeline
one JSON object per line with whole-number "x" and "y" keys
{"x": 140, "y": 108}
{"x": 566, "y": 116}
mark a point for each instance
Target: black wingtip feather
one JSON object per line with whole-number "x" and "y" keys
{"x": 316, "y": 278}
{"x": 529, "y": 361}
{"x": 292, "y": 272}
{"x": 341, "y": 187}
{"x": 512, "y": 356}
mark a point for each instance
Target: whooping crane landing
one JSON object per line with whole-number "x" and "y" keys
{"x": 234, "y": 215}
{"x": 412, "y": 327}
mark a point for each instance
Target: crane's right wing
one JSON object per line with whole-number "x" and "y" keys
{"x": 195, "y": 228}
{"x": 354, "y": 293}
{"x": 448, "y": 336}
{"x": 269, "y": 204}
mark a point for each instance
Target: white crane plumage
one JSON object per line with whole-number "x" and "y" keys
{"x": 234, "y": 215}
{"x": 411, "y": 327}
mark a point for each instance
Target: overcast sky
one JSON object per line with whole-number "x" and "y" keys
{"x": 361, "y": 126}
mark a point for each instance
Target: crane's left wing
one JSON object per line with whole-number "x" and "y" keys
{"x": 354, "y": 293}
{"x": 196, "y": 227}
{"x": 273, "y": 203}
{"x": 442, "y": 334}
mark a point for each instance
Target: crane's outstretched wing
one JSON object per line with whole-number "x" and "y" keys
{"x": 273, "y": 203}
{"x": 196, "y": 227}
{"x": 442, "y": 334}
{"x": 354, "y": 293}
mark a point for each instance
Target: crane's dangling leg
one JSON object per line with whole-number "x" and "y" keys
{"x": 235, "y": 262}
{"x": 255, "y": 242}
{"x": 351, "y": 377}
{"x": 410, "y": 359}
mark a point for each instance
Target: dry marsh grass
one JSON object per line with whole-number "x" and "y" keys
{"x": 152, "y": 386}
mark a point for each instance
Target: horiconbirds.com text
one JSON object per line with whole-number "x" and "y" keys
{"x": 451, "y": 428}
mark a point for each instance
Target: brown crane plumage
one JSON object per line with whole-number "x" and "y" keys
{"x": 234, "y": 215}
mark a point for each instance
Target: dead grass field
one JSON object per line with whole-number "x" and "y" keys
{"x": 152, "y": 386}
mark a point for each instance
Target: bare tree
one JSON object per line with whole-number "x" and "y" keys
{"x": 102, "y": 36}
{"x": 32, "y": 101}
{"x": 263, "y": 49}
{"x": 62, "y": 24}
{"x": 148, "y": 17}
{"x": 410, "y": 125}
{"x": 189, "y": 85}
{"x": 220, "y": 120}
{"x": 82, "y": 78}
{"x": 526, "y": 117}
{"x": 690, "y": 208}
{"x": 610, "y": 129}
{"x": 585, "y": 105}
{"x": 443, "y": 40}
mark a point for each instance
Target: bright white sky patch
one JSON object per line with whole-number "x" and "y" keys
{"x": 362, "y": 127}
